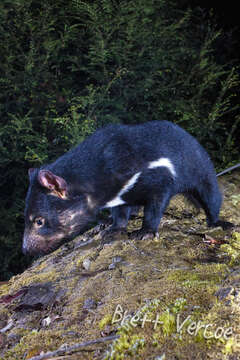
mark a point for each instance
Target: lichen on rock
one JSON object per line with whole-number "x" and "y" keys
{"x": 176, "y": 296}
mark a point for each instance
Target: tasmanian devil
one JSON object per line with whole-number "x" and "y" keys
{"x": 117, "y": 167}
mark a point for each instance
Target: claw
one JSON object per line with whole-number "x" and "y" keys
{"x": 225, "y": 225}
{"x": 144, "y": 234}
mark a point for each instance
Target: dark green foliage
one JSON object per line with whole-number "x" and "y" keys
{"x": 68, "y": 67}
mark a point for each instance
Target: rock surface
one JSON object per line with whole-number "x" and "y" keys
{"x": 173, "y": 297}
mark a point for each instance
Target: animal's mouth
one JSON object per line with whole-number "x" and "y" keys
{"x": 37, "y": 245}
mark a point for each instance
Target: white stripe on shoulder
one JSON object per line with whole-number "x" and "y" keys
{"x": 114, "y": 202}
{"x": 163, "y": 162}
{"x": 129, "y": 185}
{"x": 131, "y": 182}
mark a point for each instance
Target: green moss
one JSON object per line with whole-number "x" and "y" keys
{"x": 232, "y": 249}
{"x": 4, "y": 289}
{"x": 33, "y": 342}
{"x": 235, "y": 199}
{"x": 216, "y": 269}
{"x": 132, "y": 337}
{"x": 161, "y": 283}
{"x": 32, "y": 277}
{"x": 229, "y": 346}
{"x": 125, "y": 346}
{"x": 105, "y": 321}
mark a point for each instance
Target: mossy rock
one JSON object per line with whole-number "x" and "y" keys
{"x": 176, "y": 297}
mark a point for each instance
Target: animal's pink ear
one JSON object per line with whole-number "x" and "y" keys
{"x": 56, "y": 184}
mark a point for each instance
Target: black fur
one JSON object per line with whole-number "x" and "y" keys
{"x": 64, "y": 196}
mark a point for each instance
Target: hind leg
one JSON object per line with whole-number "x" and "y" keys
{"x": 210, "y": 198}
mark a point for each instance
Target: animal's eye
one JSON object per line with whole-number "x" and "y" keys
{"x": 39, "y": 222}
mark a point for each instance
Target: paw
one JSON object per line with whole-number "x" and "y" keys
{"x": 225, "y": 225}
{"x": 143, "y": 234}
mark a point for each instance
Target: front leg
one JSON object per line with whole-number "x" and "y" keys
{"x": 153, "y": 212}
{"x": 120, "y": 217}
